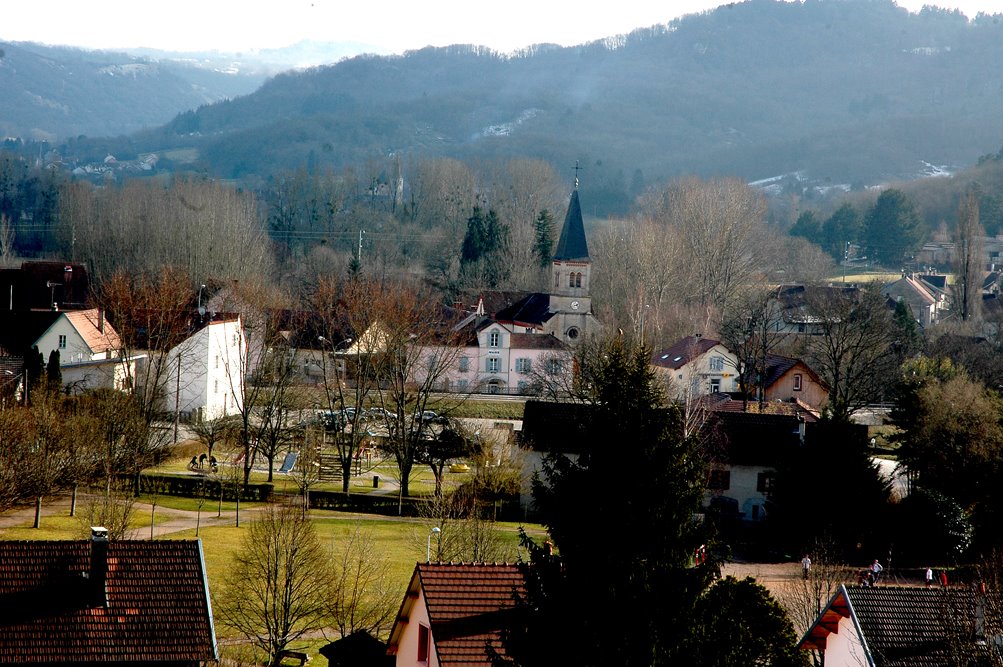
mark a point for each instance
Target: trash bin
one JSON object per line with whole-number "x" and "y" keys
{"x": 376, "y": 481}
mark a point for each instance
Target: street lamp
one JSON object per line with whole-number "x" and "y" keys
{"x": 428, "y": 545}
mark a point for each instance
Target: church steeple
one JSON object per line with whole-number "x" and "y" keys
{"x": 572, "y": 245}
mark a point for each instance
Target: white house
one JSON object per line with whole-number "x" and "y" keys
{"x": 90, "y": 351}
{"x": 204, "y": 374}
{"x": 695, "y": 366}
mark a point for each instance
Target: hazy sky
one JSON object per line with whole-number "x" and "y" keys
{"x": 385, "y": 25}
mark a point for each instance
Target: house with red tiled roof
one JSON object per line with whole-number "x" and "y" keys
{"x": 452, "y": 612}
{"x": 90, "y": 351}
{"x": 695, "y": 366}
{"x": 96, "y": 602}
{"x": 893, "y": 626}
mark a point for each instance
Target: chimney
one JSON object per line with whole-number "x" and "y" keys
{"x": 101, "y": 320}
{"x": 98, "y": 574}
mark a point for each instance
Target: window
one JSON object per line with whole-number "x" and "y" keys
{"x": 764, "y": 481}
{"x": 464, "y": 364}
{"x": 494, "y": 338}
{"x": 797, "y": 382}
{"x": 523, "y": 365}
{"x": 493, "y": 365}
{"x": 715, "y": 385}
{"x": 62, "y": 342}
{"x": 578, "y": 280}
{"x": 720, "y": 480}
{"x": 716, "y": 364}
{"x": 217, "y": 361}
{"x": 554, "y": 366}
{"x": 571, "y": 279}
{"x": 215, "y": 386}
{"x": 557, "y": 279}
{"x": 422, "y": 643}
{"x": 462, "y": 385}
{"x": 573, "y": 333}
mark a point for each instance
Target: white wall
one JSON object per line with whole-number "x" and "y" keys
{"x": 843, "y": 648}
{"x": 407, "y": 649}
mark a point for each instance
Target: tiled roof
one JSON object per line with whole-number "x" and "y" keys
{"x": 88, "y": 324}
{"x": 468, "y": 606}
{"x": 157, "y": 606}
{"x": 777, "y": 366}
{"x": 901, "y": 626}
{"x": 683, "y": 352}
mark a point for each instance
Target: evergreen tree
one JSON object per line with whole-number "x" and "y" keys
{"x": 893, "y": 229}
{"x": 840, "y": 229}
{"x": 544, "y": 227}
{"x": 53, "y": 373}
{"x": 629, "y": 552}
{"x": 808, "y": 227}
{"x": 484, "y": 257}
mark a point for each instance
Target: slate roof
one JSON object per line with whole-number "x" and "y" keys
{"x": 572, "y": 246}
{"x": 158, "y": 607}
{"x": 683, "y": 352}
{"x": 533, "y": 309}
{"x": 468, "y": 606}
{"x": 901, "y": 626}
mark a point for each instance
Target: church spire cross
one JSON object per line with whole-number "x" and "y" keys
{"x": 577, "y": 168}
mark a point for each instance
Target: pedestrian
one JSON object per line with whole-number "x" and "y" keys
{"x": 805, "y": 566}
{"x": 876, "y": 570}
{"x": 943, "y": 578}
{"x": 929, "y": 577}
{"x": 202, "y": 458}
{"x": 193, "y": 463}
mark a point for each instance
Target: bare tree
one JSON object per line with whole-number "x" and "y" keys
{"x": 853, "y": 345}
{"x": 752, "y": 331}
{"x": 969, "y": 260}
{"x": 276, "y": 590}
{"x": 363, "y": 596}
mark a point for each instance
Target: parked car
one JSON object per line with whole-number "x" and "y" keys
{"x": 431, "y": 417}
{"x": 379, "y": 414}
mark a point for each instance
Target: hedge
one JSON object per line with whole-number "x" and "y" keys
{"x": 191, "y": 486}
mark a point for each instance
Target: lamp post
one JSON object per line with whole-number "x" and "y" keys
{"x": 428, "y": 544}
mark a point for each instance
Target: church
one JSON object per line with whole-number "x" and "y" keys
{"x": 565, "y": 312}
{"x": 511, "y": 338}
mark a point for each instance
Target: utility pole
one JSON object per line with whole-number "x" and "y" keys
{"x": 361, "y": 232}
{"x": 177, "y": 400}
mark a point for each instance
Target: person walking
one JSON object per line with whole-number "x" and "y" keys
{"x": 943, "y": 578}
{"x": 929, "y": 577}
{"x": 805, "y": 566}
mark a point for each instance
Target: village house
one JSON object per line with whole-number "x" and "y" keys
{"x": 89, "y": 348}
{"x": 926, "y": 302}
{"x": 203, "y": 376}
{"x": 695, "y": 366}
{"x": 889, "y": 626}
{"x": 96, "y": 602}
{"x": 452, "y": 613}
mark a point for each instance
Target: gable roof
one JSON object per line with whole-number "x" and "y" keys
{"x": 899, "y": 626}
{"x": 572, "y": 244}
{"x": 468, "y": 604}
{"x": 683, "y": 352}
{"x": 777, "y": 366}
{"x": 93, "y": 327}
{"x": 154, "y": 608}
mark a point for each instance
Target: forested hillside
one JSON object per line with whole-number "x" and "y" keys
{"x": 856, "y": 92}
{"x": 54, "y": 93}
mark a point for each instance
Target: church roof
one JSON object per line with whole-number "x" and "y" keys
{"x": 572, "y": 244}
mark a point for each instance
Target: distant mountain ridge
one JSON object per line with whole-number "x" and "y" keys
{"x": 835, "y": 92}
{"x": 53, "y": 93}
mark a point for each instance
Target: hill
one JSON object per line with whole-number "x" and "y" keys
{"x": 835, "y": 93}
{"x": 55, "y": 93}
